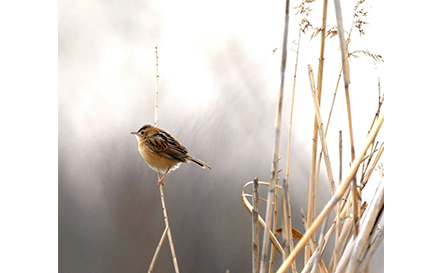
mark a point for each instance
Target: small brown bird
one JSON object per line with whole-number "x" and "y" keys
{"x": 161, "y": 151}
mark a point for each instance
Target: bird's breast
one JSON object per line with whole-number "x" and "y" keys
{"x": 157, "y": 162}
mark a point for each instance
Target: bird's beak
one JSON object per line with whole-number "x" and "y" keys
{"x": 134, "y": 133}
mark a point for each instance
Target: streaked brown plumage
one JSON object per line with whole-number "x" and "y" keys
{"x": 161, "y": 151}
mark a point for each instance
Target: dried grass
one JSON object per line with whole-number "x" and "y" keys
{"x": 357, "y": 234}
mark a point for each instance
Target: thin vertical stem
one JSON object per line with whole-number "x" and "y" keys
{"x": 169, "y": 232}
{"x": 286, "y": 228}
{"x": 344, "y": 53}
{"x": 275, "y": 218}
{"x": 163, "y": 200}
{"x": 271, "y": 192}
{"x": 346, "y": 68}
{"x": 255, "y": 227}
{"x": 340, "y": 156}
{"x": 156, "y": 86}
{"x": 313, "y": 183}
{"x": 287, "y": 173}
{"x": 338, "y": 216}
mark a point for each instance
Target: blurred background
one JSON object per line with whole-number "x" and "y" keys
{"x": 218, "y": 88}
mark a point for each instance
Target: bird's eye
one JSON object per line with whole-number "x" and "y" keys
{"x": 142, "y": 132}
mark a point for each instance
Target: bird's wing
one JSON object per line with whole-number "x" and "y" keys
{"x": 166, "y": 145}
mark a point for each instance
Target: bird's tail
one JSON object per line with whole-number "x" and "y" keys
{"x": 199, "y": 162}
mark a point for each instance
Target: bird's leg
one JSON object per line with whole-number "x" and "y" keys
{"x": 160, "y": 182}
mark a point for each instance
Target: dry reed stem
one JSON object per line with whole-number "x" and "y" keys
{"x": 367, "y": 176}
{"x": 380, "y": 103}
{"x": 287, "y": 224}
{"x": 163, "y": 200}
{"x": 367, "y": 225}
{"x": 169, "y": 232}
{"x": 342, "y": 242}
{"x": 321, "y": 132}
{"x": 261, "y": 221}
{"x": 334, "y": 200}
{"x": 308, "y": 266}
{"x": 275, "y": 218}
{"x": 156, "y": 86}
{"x": 367, "y": 162}
{"x": 312, "y": 249}
{"x": 321, "y": 246}
{"x": 155, "y": 256}
{"x": 310, "y": 244}
{"x": 355, "y": 252}
{"x": 313, "y": 183}
{"x": 333, "y": 102}
{"x": 343, "y": 261}
{"x": 344, "y": 53}
{"x": 286, "y": 229}
{"x": 322, "y": 48}
{"x": 289, "y": 142}
{"x": 273, "y": 175}
{"x": 319, "y": 83}
{"x": 346, "y": 68}
{"x": 255, "y": 227}
{"x": 338, "y": 216}
{"x": 311, "y": 209}
{"x": 318, "y": 165}
{"x": 378, "y": 238}
{"x": 320, "y": 154}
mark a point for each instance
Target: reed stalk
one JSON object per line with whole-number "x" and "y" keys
{"x": 261, "y": 221}
{"x": 346, "y": 68}
{"x": 155, "y": 256}
{"x": 163, "y": 200}
{"x": 275, "y": 218}
{"x": 156, "y": 86}
{"x": 313, "y": 183}
{"x": 321, "y": 132}
{"x": 289, "y": 142}
{"x": 367, "y": 225}
{"x": 373, "y": 166}
{"x": 273, "y": 174}
{"x": 321, "y": 245}
{"x": 286, "y": 229}
{"x": 343, "y": 261}
{"x": 312, "y": 249}
{"x": 338, "y": 216}
{"x": 255, "y": 227}
{"x": 378, "y": 238}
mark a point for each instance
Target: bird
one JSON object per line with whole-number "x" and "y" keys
{"x": 162, "y": 152}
